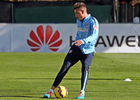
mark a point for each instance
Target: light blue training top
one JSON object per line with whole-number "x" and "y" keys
{"x": 88, "y": 30}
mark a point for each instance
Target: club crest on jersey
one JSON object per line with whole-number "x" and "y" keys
{"x": 86, "y": 25}
{"x": 70, "y": 51}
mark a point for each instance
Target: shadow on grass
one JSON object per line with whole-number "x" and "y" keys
{"x": 33, "y": 97}
{"x": 69, "y": 78}
{"x": 20, "y": 96}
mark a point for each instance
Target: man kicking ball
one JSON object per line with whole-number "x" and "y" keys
{"x": 83, "y": 48}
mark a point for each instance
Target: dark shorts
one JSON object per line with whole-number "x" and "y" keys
{"x": 75, "y": 54}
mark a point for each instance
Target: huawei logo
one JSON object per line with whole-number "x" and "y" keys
{"x": 44, "y": 39}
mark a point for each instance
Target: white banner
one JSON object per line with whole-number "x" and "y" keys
{"x": 42, "y": 37}
{"x": 113, "y": 38}
{"x": 5, "y": 40}
{"x": 119, "y": 38}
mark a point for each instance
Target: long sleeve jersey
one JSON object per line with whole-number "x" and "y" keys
{"x": 88, "y": 30}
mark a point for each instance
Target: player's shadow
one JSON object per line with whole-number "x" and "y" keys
{"x": 27, "y": 97}
{"x": 33, "y": 97}
{"x": 20, "y": 96}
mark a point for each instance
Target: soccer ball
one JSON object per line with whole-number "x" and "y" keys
{"x": 61, "y": 92}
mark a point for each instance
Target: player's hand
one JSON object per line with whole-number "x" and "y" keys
{"x": 78, "y": 42}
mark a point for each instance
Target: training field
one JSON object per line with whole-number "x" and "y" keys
{"x": 28, "y": 76}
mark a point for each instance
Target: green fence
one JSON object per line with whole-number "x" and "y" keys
{"x": 60, "y": 14}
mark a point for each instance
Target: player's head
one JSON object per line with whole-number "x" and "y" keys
{"x": 80, "y": 10}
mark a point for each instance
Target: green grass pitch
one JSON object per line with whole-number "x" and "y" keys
{"x": 28, "y": 76}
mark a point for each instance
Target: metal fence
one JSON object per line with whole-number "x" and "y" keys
{"x": 125, "y": 11}
{"x": 40, "y": 11}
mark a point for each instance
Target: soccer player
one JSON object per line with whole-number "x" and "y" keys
{"x": 83, "y": 48}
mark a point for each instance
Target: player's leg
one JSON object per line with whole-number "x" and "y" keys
{"x": 86, "y": 62}
{"x": 66, "y": 66}
{"x": 69, "y": 61}
{"x": 59, "y": 78}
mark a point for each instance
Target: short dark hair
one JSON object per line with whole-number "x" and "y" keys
{"x": 78, "y": 5}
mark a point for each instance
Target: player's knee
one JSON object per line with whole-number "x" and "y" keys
{"x": 64, "y": 69}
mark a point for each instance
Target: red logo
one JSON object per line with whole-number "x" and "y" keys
{"x": 44, "y": 39}
{"x": 95, "y": 27}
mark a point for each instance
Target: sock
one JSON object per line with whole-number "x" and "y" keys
{"x": 83, "y": 92}
{"x": 51, "y": 90}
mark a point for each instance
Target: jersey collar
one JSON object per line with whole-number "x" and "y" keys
{"x": 87, "y": 17}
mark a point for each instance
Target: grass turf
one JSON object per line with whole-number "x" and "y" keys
{"x": 27, "y": 76}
